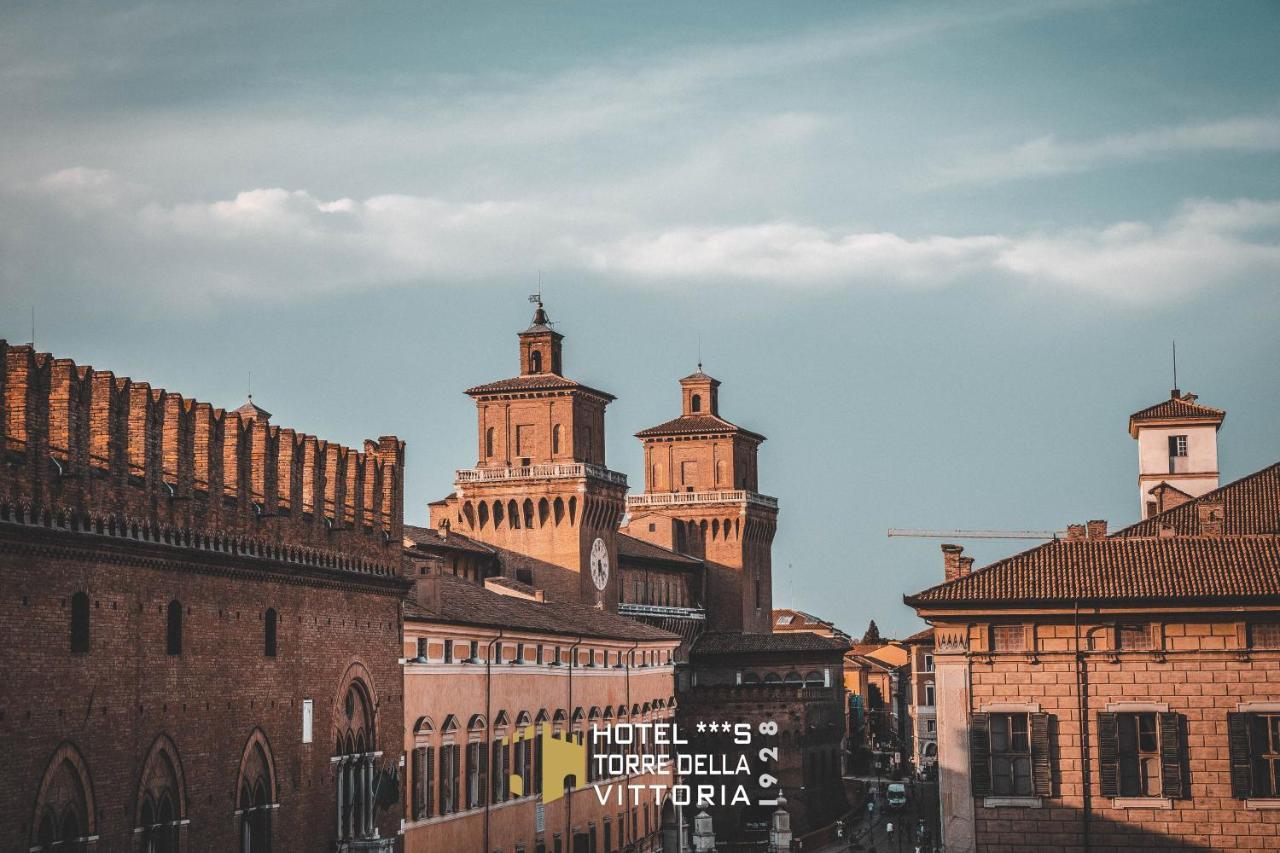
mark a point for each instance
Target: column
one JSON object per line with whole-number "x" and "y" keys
{"x": 952, "y": 697}
{"x": 342, "y": 782}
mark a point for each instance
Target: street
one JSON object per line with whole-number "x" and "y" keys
{"x": 873, "y": 836}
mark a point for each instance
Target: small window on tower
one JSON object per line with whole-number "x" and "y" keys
{"x": 695, "y": 403}
{"x": 1177, "y": 445}
{"x": 535, "y": 361}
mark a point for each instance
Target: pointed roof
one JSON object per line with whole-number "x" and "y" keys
{"x": 699, "y": 376}
{"x": 541, "y": 323}
{"x": 1178, "y": 408}
{"x": 700, "y": 423}
{"x": 251, "y": 411}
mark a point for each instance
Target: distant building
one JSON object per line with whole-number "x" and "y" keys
{"x": 786, "y": 620}
{"x": 1118, "y": 691}
{"x": 921, "y": 706}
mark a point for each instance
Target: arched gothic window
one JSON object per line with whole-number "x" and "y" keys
{"x": 64, "y": 816}
{"x": 256, "y": 795}
{"x": 356, "y": 772}
{"x": 161, "y": 805}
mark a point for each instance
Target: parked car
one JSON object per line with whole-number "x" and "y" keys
{"x": 896, "y": 795}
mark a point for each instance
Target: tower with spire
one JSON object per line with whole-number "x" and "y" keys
{"x": 540, "y": 490}
{"x": 701, "y": 497}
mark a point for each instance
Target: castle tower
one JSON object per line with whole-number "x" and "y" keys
{"x": 540, "y": 490}
{"x": 701, "y": 498}
{"x": 1177, "y": 451}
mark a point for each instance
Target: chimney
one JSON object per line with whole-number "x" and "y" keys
{"x": 1211, "y": 516}
{"x": 1075, "y": 532}
{"x": 951, "y": 561}
{"x": 966, "y": 565}
{"x": 425, "y": 575}
{"x": 1097, "y": 528}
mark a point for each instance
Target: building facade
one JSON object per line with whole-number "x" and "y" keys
{"x": 1117, "y": 691}
{"x": 922, "y": 704}
{"x": 201, "y": 618}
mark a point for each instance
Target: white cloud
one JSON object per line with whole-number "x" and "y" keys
{"x": 285, "y": 244}
{"x": 1050, "y": 156}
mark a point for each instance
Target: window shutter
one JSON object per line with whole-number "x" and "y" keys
{"x": 1171, "y": 757}
{"x": 506, "y": 771}
{"x": 419, "y": 759}
{"x": 1108, "y": 755}
{"x": 1238, "y": 738}
{"x": 483, "y": 782}
{"x": 496, "y": 780}
{"x": 429, "y": 801}
{"x": 1041, "y": 769}
{"x": 980, "y": 754}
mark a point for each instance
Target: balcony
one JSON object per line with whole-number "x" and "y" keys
{"x": 683, "y": 498}
{"x": 627, "y": 609}
{"x": 573, "y": 470}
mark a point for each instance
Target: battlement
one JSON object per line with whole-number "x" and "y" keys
{"x": 85, "y": 441}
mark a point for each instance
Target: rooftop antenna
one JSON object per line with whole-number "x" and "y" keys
{"x": 250, "y": 385}
{"x": 33, "y": 327}
{"x": 699, "y": 352}
{"x": 1175, "y": 368}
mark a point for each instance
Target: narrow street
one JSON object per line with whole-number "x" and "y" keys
{"x": 873, "y": 835}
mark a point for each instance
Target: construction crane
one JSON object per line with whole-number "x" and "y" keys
{"x": 976, "y": 534}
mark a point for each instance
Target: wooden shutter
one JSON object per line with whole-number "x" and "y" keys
{"x": 1171, "y": 755}
{"x": 1041, "y": 769}
{"x": 483, "y": 783}
{"x": 429, "y": 783}
{"x": 497, "y": 772}
{"x": 1108, "y": 755}
{"x": 506, "y": 771}
{"x": 419, "y": 758}
{"x": 980, "y": 754}
{"x": 1238, "y": 738}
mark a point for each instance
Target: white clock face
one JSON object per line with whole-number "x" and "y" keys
{"x": 599, "y": 564}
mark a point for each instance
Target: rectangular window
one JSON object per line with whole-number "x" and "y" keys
{"x": 928, "y": 663}
{"x": 1139, "y": 755}
{"x": 448, "y": 651}
{"x": 930, "y": 692}
{"x": 538, "y": 654}
{"x": 1265, "y": 635}
{"x": 1009, "y": 638}
{"x": 308, "y": 709}
{"x": 497, "y": 652}
{"x": 473, "y": 774}
{"x": 519, "y": 658}
{"x": 1177, "y": 445}
{"x": 1133, "y": 637}
{"x": 1010, "y": 755}
{"x": 475, "y": 650}
{"x": 449, "y": 779}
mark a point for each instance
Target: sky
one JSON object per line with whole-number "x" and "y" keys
{"x": 937, "y": 253}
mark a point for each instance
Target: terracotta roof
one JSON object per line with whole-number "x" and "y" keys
{"x": 429, "y": 537}
{"x": 1250, "y": 506}
{"x": 1179, "y": 568}
{"x": 535, "y": 382}
{"x": 799, "y": 619}
{"x": 1179, "y": 408}
{"x": 920, "y": 638}
{"x": 699, "y": 376}
{"x": 686, "y": 424}
{"x": 726, "y": 643}
{"x": 466, "y": 603}
{"x": 638, "y": 549}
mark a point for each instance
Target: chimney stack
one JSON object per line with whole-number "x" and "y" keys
{"x": 951, "y": 561}
{"x": 1210, "y": 516}
{"x": 1075, "y": 532}
{"x": 1097, "y": 528}
{"x": 966, "y": 565}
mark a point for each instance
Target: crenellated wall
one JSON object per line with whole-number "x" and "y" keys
{"x": 87, "y": 443}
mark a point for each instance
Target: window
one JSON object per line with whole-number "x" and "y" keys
{"x": 424, "y": 789}
{"x": 1133, "y": 637}
{"x": 497, "y": 652}
{"x": 1009, "y": 754}
{"x": 538, "y": 654}
{"x": 695, "y": 403}
{"x": 269, "y": 633}
{"x": 535, "y": 361}
{"x": 555, "y": 440}
{"x": 475, "y": 650}
{"x": 80, "y": 623}
{"x": 930, "y": 693}
{"x": 173, "y": 632}
{"x": 785, "y": 620}
{"x": 519, "y": 658}
{"x": 931, "y": 726}
{"x": 448, "y": 651}
{"x": 1255, "y": 755}
{"x": 1177, "y": 445}
{"x": 477, "y": 763}
{"x": 449, "y": 779}
{"x": 759, "y": 594}
{"x": 1265, "y": 635}
{"x": 928, "y": 662}
{"x": 1008, "y": 638}
{"x": 1140, "y": 754}
{"x": 488, "y": 442}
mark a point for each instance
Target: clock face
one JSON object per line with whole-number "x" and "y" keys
{"x": 599, "y": 564}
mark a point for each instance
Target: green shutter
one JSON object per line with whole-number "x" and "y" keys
{"x": 417, "y": 769}
{"x": 980, "y": 754}
{"x": 429, "y": 784}
{"x": 1108, "y": 755}
{"x": 1238, "y": 739}
{"x": 1171, "y": 755}
{"x": 1041, "y": 769}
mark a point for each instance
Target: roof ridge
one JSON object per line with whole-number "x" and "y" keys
{"x": 1274, "y": 467}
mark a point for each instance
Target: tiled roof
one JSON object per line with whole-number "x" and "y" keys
{"x": 1177, "y": 408}
{"x": 1250, "y": 506}
{"x": 535, "y": 382}
{"x": 638, "y": 549}
{"x": 686, "y": 424}
{"x": 1182, "y": 568}
{"x": 466, "y": 603}
{"x": 428, "y": 537}
{"x": 920, "y": 638}
{"x": 699, "y": 376}
{"x": 799, "y": 619}
{"x": 725, "y": 643}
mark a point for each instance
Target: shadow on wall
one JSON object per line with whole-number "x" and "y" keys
{"x": 1062, "y": 830}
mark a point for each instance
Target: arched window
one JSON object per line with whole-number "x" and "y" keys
{"x": 64, "y": 814}
{"x": 160, "y": 799}
{"x": 695, "y": 403}
{"x": 535, "y": 361}
{"x": 513, "y": 514}
{"x": 488, "y": 442}
{"x": 555, "y": 440}
{"x": 173, "y": 633}
{"x": 256, "y": 795}
{"x": 528, "y": 512}
{"x": 498, "y": 514}
{"x": 80, "y": 623}
{"x": 356, "y": 770}
{"x": 269, "y": 633}
{"x": 484, "y": 514}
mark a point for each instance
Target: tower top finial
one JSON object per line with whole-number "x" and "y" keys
{"x": 540, "y": 315}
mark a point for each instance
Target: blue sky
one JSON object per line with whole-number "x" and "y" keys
{"x": 935, "y": 252}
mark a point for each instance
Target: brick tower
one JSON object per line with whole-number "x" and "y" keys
{"x": 540, "y": 490}
{"x": 701, "y": 498}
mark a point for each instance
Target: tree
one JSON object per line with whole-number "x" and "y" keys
{"x": 873, "y": 633}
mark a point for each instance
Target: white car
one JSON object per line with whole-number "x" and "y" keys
{"x": 896, "y": 795}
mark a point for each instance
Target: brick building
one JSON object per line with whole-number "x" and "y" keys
{"x": 201, "y": 621}
{"x": 921, "y": 705}
{"x": 1117, "y": 691}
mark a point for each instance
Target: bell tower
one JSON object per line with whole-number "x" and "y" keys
{"x": 1177, "y": 451}
{"x": 540, "y": 490}
{"x": 701, "y": 498}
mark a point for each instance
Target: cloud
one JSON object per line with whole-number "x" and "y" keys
{"x": 274, "y": 243}
{"x": 1049, "y": 156}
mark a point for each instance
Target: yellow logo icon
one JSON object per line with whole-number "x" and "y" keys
{"x": 560, "y": 758}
